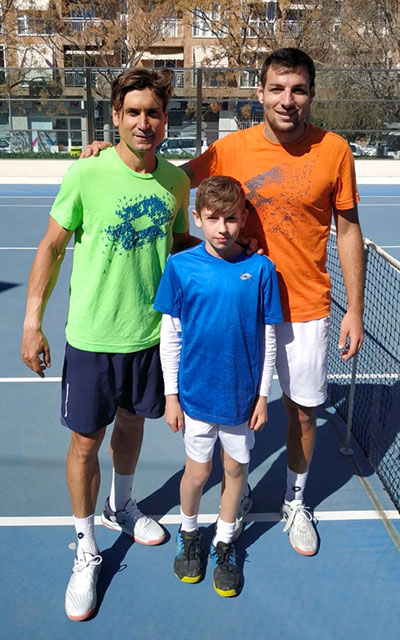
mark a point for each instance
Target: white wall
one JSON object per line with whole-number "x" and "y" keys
{"x": 52, "y": 171}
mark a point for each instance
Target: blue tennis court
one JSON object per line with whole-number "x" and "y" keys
{"x": 351, "y": 588}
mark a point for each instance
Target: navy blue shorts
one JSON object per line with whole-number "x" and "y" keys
{"x": 94, "y": 385}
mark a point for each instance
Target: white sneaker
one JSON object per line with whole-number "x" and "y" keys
{"x": 245, "y": 505}
{"x": 81, "y": 596}
{"x": 133, "y": 522}
{"x": 300, "y": 526}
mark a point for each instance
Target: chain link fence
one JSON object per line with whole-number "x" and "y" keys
{"x": 366, "y": 391}
{"x": 61, "y": 110}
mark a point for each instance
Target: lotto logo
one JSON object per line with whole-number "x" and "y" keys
{"x": 245, "y": 276}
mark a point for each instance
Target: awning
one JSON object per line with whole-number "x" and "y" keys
{"x": 162, "y": 56}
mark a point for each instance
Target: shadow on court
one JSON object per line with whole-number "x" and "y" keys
{"x": 329, "y": 471}
{"x": 4, "y": 286}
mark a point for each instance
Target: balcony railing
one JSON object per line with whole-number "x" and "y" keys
{"x": 74, "y": 25}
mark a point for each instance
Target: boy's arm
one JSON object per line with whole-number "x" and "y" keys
{"x": 170, "y": 354}
{"x": 259, "y": 415}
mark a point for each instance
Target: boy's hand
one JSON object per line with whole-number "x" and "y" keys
{"x": 250, "y": 245}
{"x": 260, "y": 414}
{"x": 94, "y": 148}
{"x": 173, "y": 413}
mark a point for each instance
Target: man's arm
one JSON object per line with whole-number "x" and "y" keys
{"x": 189, "y": 172}
{"x": 43, "y": 277}
{"x": 183, "y": 241}
{"x": 351, "y": 258}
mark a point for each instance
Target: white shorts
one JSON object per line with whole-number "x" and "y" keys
{"x": 200, "y": 438}
{"x": 301, "y": 360}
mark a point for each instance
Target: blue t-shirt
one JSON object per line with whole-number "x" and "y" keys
{"x": 223, "y": 306}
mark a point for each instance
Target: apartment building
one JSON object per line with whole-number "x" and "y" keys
{"x": 56, "y": 56}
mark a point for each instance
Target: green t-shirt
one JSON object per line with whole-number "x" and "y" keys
{"x": 123, "y": 223}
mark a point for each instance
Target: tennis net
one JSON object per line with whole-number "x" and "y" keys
{"x": 366, "y": 393}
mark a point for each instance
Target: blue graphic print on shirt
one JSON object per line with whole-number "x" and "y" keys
{"x": 125, "y": 236}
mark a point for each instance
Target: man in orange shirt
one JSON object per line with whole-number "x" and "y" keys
{"x": 295, "y": 176}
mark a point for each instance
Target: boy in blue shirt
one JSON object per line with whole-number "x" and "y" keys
{"x": 217, "y": 351}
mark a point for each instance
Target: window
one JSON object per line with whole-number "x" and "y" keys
{"x": 260, "y": 21}
{"x": 31, "y": 25}
{"x": 249, "y": 79}
{"x": 169, "y": 28}
{"x": 293, "y": 21}
{"x": 203, "y": 22}
{"x": 2, "y": 65}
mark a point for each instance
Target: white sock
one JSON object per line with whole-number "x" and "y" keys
{"x": 295, "y": 486}
{"x": 84, "y": 528}
{"x": 224, "y": 532}
{"x": 188, "y": 523}
{"x": 121, "y": 489}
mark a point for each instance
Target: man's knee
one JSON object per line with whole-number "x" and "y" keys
{"x": 125, "y": 419}
{"x": 86, "y": 447}
{"x": 298, "y": 415}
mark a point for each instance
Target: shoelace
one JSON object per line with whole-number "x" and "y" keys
{"x": 223, "y": 556}
{"x": 190, "y": 547}
{"x": 300, "y": 508}
{"x": 131, "y": 510}
{"x": 82, "y": 564}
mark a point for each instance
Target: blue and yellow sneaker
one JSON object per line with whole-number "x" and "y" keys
{"x": 187, "y": 563}
{"x": 227, "y": 579}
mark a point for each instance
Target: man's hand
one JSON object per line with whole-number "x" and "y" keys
{"x": 259, "y": 415}
{"x": 250, "y": 245}
{"x": 94, "y": 148}
{"x": 173, "y": 413}
{"x": 351, "y": 335}
{"x": 35, "y": 345}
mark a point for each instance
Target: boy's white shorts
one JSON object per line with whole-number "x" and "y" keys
{"x": 200, "y": 438}
{"x": 301, "y": 360}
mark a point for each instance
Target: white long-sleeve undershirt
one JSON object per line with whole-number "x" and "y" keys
{"x": 170, "y": 354}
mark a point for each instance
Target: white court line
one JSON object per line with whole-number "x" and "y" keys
{"x": 204, "y": 518}
{"x": 376, "y": 204}
{"x": 364, "y": 376}
{"x": 46, "y": 379}
{"x": 47, "y": 205}
{"x": 52, "y": 197}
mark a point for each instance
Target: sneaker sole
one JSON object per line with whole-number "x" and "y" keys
{"x": 117, "y": 527}
{"x": 228, "y": 593}
{"x": 304, "y": 553}
{"x": 84, "y": 616}
{"x": 188, "y": 579}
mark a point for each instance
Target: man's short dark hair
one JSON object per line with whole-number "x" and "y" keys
{"x": 289, "y": 58}
{"x": 158, "y": 80}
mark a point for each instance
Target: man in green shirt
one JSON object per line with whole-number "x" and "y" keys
{"x": 128, "y": 211}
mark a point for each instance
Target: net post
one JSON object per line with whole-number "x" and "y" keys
{"x": 346, "y": 450}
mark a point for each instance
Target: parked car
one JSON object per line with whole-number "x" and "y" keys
{"x": 180, "y": 146}
{"x": 356, "y": 149}
{"x": 4, "y": 145}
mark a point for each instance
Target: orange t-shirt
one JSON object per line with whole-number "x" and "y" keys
{"x": 290, "y": 193}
